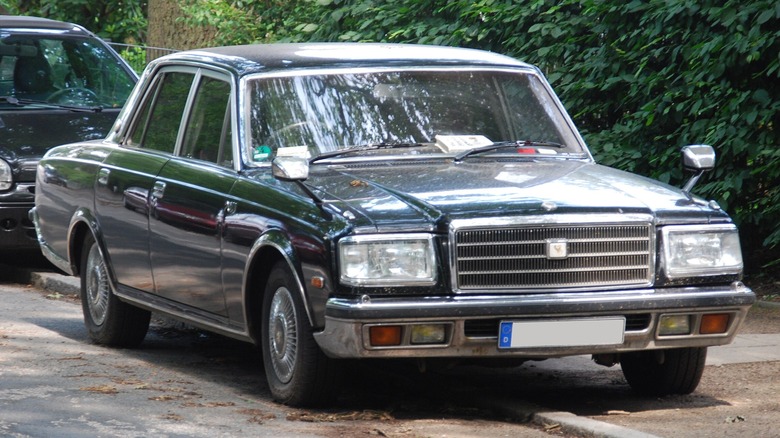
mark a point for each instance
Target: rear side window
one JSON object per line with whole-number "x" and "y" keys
{"x": 208, "y": 135}
{"x": 158, "y": 121}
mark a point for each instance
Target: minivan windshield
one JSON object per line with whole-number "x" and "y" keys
{"x": 420, "y": 111}
{"x": 47, "y": 71}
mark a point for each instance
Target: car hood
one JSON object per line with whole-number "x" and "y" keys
{"x": 26, "y": 134}
{"x": 404, "y": 196}
{"x": 29, "y": 133}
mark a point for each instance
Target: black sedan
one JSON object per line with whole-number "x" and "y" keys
{"x": 344, "y": 201}
{"x": 59, "y": 83}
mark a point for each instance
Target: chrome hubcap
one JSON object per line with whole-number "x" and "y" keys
{"x": 283, "y": 334}
{"x": 97, "y": 288}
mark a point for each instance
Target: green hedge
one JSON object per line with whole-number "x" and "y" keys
{"x": 640, "y": 78}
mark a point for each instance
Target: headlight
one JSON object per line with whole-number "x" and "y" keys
{"x": 6, "y": 176}
{"x": 693, "y": 251}
{"x": 387, "y": 260}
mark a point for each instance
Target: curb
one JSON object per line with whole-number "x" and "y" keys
{"x": 63, "y": 284}
{"x": 768, "y": 304}
{"x": 568, "y": 422}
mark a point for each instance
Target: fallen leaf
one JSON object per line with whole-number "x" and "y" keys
{"x": 103, "y": 389}
{"x": 618, "y": 412}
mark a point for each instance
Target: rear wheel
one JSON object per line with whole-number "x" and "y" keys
{"x": 109, "y": 320}
{"x": 664, "y": 372}
{"x": 298, "y": 372}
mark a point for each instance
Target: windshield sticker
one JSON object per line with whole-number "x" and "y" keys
{"x": 457, "y": 143}
{"x": 262, "y": 153}
{"x": 544, "y": 151}
{"x": 293, "y": 151}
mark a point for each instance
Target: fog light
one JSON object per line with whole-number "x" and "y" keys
{"x": 715, "y": 323}
{"x": 384, "y": 335}
{"x": 428, "y": 334}
{"x": 674, "y": 325}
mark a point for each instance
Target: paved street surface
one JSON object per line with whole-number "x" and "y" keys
{"x": 178, "y": 384}
{"x": 183, "y": 382}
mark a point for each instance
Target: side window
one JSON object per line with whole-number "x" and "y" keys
{"x": 157, "y": 125}
{"x": 207, "y": 135}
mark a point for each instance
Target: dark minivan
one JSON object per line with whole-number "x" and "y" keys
{"x": 59, "y": 83}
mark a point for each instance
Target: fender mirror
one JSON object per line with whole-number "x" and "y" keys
{"x": 698, "y": 158}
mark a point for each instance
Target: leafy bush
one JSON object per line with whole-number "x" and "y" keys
{"x": 115, "y": 20}
{"x": 641, "y": 78}
{"x": 135, "y": 56}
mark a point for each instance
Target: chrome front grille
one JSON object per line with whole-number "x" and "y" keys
{"x": 553, "y": 256}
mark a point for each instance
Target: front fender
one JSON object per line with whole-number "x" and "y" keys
{"x": 280, "y": 245}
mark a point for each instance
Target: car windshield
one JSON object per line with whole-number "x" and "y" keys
{"x": 46, "y": 71}
{"x": 420, "y": 111}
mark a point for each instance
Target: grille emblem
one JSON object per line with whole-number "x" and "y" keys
{"x": 557, "y": 249}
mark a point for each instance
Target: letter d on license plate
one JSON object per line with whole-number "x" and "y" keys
{"x": 561, "y": 332}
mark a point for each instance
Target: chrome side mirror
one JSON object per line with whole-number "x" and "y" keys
{"x": 290, "y": 168}
{"x": 698, "y": 158}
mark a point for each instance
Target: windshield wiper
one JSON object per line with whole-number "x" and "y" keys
{"x": 370, "y": 147}
{"x": 24, "y": 102}
{"x": 508, "y": 144}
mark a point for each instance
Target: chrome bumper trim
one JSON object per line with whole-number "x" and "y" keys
{"x": 344, "y": 334}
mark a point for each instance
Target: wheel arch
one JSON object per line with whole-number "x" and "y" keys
{"x": 82, "y": 224}
{"x": 268, "y": 249}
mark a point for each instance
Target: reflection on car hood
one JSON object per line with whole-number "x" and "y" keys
{"x": 401, "y": 195}
{"x": 26, "y": 133}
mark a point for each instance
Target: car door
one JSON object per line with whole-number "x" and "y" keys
{"x": 189, "y": 200}
{"x": 128, "y": 175}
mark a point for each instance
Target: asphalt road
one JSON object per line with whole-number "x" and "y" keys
{"x": 184, "y": 382}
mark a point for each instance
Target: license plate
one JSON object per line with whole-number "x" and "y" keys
{"x": 561, "y": 333}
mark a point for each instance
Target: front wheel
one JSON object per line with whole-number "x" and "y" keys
{"x": 664, "y": 372}
{"x": 109, "y": 320}
{"x": 298, "y": 372}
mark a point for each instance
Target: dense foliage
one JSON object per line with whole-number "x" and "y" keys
{"x": 641, "y": 78}
{"x": 115, "y": 20}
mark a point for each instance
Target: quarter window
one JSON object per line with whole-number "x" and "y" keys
{"x": 208, "y": 134}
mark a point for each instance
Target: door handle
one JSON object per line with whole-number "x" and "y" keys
{"x": 158, "y": 189}
{"x": 230, "y": 207}
{"x": 102, "y": 177}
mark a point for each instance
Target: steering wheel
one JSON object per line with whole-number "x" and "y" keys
{"x": 73, "y": 95}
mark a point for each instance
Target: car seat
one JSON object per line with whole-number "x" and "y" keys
{"x": 32, "y": 76}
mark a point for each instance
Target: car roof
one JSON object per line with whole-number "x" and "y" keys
{"x": 32, "y": 23}
{"x": 253, "y": 58}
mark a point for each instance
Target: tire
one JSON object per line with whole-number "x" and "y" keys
{"x": 109, "y": 321}
{"x": 664, "y": 372}
{"x": 298, "y": 372}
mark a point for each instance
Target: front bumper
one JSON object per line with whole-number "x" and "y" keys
{"x": 17, "y": 232}
{"x": 472, "y": 322}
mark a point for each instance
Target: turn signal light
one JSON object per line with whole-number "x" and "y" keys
{"x": 384, "y": 335}
{"x": 714, "y": 323}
